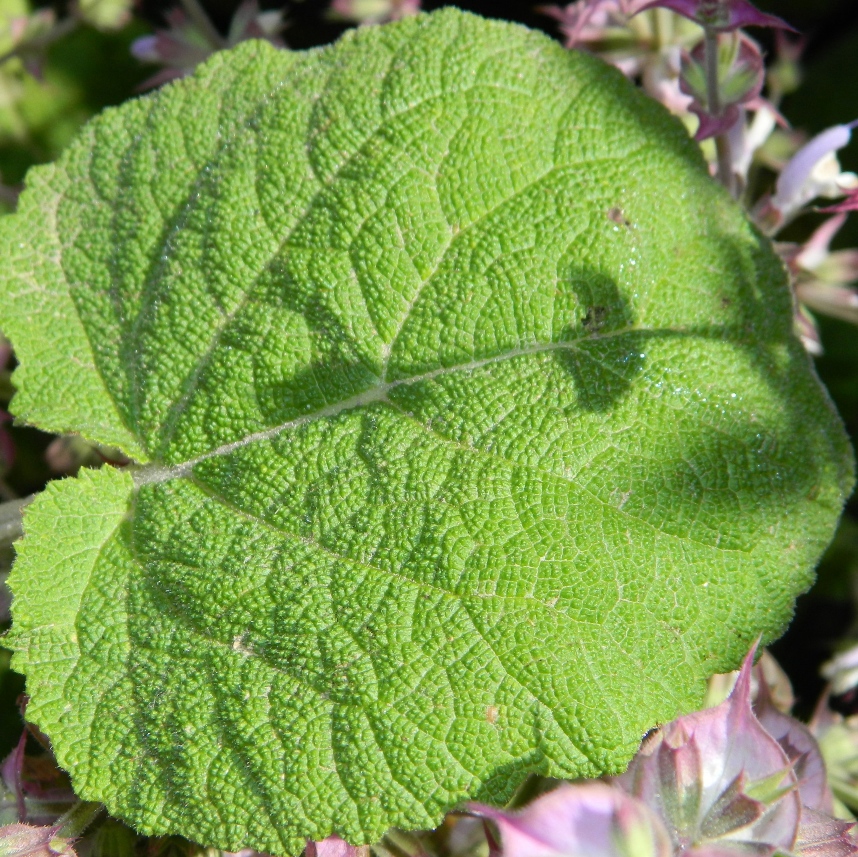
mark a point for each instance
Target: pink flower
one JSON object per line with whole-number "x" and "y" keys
{"x": 838, "y": 742}
{"x": 830, "y": 266}
{"x": 848, "y": 204}
{"x": 804, "y": 326}
{"x": 588, "y": 820}
{"x": 34, "y": 788}
{"x": 25, "y": 840}
{"x": 822, "y": 280}
{"x": 727, "y": 781}
{"x": 798, "y": 745}
{"x": 180, "y": 47}
{"x": 812, "y": 171}
{"x": 586, "y": 20}
{"x": 183, "y": 46}
{"x": 720, "y": 15}
{"x": 842, "y": 669}
{"x": 746, "y": 137}
{"x": 334, "y": 846}
{"x": 718, "y": 779}
{"x": 821, "y": 835}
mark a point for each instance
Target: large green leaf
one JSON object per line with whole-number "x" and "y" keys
{"x": 472, "y": 434}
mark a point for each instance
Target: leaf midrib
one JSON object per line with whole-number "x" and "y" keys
{"x": 160, "y": 472}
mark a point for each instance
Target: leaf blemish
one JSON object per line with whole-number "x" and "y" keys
{"x": 616, "y": 215}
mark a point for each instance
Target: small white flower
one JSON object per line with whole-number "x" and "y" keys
{"x": 813, "y": 171}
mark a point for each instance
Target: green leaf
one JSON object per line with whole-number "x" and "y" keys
{"x": 472, "y": 434}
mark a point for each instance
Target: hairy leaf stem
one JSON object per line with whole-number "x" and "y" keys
{"x": 75, "y": 822}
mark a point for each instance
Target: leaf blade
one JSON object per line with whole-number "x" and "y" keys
{"x": 463, "y": 434}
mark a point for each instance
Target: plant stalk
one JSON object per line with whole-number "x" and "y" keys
{"x": 74, "y": 823}
{"x": 722, "y": 141}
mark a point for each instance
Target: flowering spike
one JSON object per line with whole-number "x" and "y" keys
{"x": 740, "y": 79}
{"x": 720, "y": 15}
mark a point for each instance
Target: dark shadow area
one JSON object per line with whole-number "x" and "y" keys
{"x": 603, "y": 369}
{"x": 11, "y": 686}
{"x": 819, "y": 622}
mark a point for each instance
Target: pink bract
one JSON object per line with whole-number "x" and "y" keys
{"x": 799, "y": 746}
{"x": 334, "y": 846}
{"x": 589, "y": 820}
{"x": 720, "y": 15}
{"x": 718, "y": 779}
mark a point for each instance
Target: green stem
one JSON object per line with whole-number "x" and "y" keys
{"x": 74, "y": 823}
{"x": 714, "y": 108}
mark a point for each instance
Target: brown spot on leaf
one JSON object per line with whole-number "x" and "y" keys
{"x": 616, "y": 214}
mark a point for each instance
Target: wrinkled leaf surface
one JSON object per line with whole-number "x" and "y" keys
{"x": 471, "y": 431}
